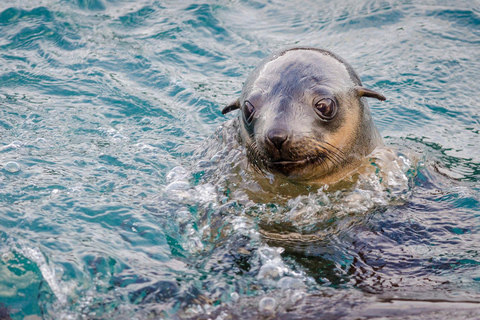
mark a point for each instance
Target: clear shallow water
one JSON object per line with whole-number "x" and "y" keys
{"x": 118, "y": 199}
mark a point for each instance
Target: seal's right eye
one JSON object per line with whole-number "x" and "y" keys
{"x": 326, "y": 109}
{"x": 248, "y": 111}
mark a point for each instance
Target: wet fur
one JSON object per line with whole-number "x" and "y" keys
{"x": 281, "y": 87}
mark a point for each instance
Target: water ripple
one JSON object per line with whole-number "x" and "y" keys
{"x": 115, "y": 202}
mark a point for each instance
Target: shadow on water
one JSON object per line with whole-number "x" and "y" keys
{"x": 4, "y": 312}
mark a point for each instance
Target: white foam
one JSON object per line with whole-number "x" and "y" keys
{"x": 59, "y": 288}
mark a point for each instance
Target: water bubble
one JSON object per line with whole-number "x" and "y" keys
{"x": 297, "y": 297}
{"x": 12, "y": 167}
{"x": 268, "y": 254}
{"x": 177, "y": 173}
{"x": 145, "y": 121}
{"x": 234, "y": 296}
{"x": 178, "y": 185}
{"x": 273, "y": 266}
{"x": 9, "y": 256}
{"x": 267, "y": 306}
{"x": 179, "y": 191}
{"x": 270, "y": 270}
{"x": 119, "y": 136}
{"x": 41, "y": 142}
{"x": 290, "y": 283}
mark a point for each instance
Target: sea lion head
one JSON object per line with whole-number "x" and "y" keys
{"x": 302, "y": 116}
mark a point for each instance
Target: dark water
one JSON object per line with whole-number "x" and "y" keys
{"x": 119, "y": 199}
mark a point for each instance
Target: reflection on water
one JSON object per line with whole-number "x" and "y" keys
{"x": 121, "y": 197}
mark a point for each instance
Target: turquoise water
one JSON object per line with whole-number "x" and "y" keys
{"x": 120, "y": 199}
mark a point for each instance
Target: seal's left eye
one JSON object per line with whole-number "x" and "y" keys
{"x": 248, "y": 111}
{"x": 326, "y": 109}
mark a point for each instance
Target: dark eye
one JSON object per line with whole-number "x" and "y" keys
{"x": 326, "y": 109}
{"x": 248, "y": 111}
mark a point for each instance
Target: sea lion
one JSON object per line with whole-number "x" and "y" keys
{"x": 302, "y": 116}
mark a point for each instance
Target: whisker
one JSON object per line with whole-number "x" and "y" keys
{"x": 254, "y": 157}
{"x": 308, "y": 152}
{"x": 339, "y": 154}
{"x": 330, "y": 153}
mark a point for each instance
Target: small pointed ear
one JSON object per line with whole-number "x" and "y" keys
{"x": 364, "y": 92}
{"x": 232, "y": 106}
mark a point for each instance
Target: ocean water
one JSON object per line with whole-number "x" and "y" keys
{"x": 121, "y": 193}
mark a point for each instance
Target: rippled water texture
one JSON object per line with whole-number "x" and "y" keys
{"x": 119, "y": 199}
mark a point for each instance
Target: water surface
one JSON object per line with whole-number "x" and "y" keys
{"x": 120, "y": 197}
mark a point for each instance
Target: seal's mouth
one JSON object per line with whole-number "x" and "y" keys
{"x": 292, "y": 167}
{"x": 289, "y": 162}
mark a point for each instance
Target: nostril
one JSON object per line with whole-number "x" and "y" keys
{"x": 277, "y": 137}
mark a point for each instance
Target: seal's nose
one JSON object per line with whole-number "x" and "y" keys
{"x": 277, "y": 137}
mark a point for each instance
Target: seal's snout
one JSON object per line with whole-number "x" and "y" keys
{"x": 277, "y": 137}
